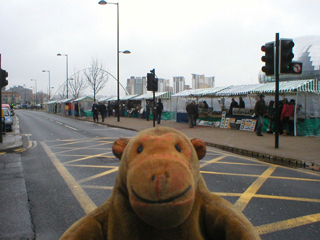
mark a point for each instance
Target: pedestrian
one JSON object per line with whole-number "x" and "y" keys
{"x": 192, "y": 111}
{"x": 291, "y": 118}
{"x": 76, "y": 110}
{"x": 271, "y": 116}
{"x": 103, "y": 111}
{"x": 66, "y": 107}
{"x": 197, "y": 112}
{"x": 95, "y": 111}
{"x": 233, "y": 104}
{"x": 241, "y": 103}
{"x": 148, "y": 110}
{"x": 286, "y": 114}
{"x": 159, "y": 108}
{"x": 110, "y": 109}
{"x": 260, "y": 110}
{"x": 205, "y": 105}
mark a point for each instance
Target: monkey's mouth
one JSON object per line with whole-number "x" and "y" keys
{"x": 170, "y": 199}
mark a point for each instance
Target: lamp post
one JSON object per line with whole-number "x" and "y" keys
{"x": 49, "y": 82}
{"x": 25, "y": 94}
{"x": 102, "y": 2}
{"x": 59, "y": 54}
{"x": 36, "y": 89}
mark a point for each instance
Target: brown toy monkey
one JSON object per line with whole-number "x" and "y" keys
{"x": 159, "y": 193}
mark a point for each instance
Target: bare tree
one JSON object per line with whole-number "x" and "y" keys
{"x": 96, "y": 77}
{"x": 78, "y": 85}
{"x": 41, "y": 96}
{"x": 62, "y": 92}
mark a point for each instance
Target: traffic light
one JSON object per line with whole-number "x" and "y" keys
{"x": 3, "y": 76}
{"x": 152, "y": 82}
{"x": 155, "y": 84}
{"x": 286, "y": 56}
{"x": 268, "y": 58}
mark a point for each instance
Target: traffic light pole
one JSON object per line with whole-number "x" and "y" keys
{"x": 277, "y": 117}
{"x": 154, "y": 99}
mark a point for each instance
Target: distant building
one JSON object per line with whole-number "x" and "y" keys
{"x": 10, "y": 97}
{"x": 17, "y": 94}
{"x": 178, "y": 84}
{"x": 163, "y": 85}
{"x": 170, "y": 89}
{"x": 200, "y": 81}
{"x": 136, "y": 85}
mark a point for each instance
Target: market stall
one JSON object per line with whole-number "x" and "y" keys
{"x": 127, "y": 105}
{"x": 82, "y": 106}
{"x": 52, "y": 107}
{"x": 165, "y": 98}
{"x": 305, "y": 93}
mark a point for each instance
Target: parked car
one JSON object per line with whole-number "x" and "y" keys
{"x": 6, "y": 105}
{"x": 8, "y": 120}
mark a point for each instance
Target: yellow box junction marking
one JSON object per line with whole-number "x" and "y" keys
{"x": 251, "y": 191}
{"x": 84, "y": 200}
{"x": 287, "y": 224}
{"x": 244, "y": 198}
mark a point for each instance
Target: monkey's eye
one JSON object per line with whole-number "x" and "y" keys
{"x": 178, "y": 148}
{"x": 140, "y": 149}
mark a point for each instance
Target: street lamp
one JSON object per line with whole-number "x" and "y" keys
{"x": 36, "y": 89}
{"x": 102, "y": 2}
{"x": 59, "y": 54}
{"x": 25, "y": 93}
{"x": 49, "y": 81}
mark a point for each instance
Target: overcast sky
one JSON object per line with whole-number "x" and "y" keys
{"x": 176, "y": 37}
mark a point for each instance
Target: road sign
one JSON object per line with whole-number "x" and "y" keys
{"x": 297, "y": 68}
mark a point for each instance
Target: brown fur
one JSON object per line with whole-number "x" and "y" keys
{"x": 159, "y": 193}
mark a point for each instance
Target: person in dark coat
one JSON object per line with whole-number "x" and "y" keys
{"x": 95, "y": 111}
{"x": 109, "y": 109}
{"x": 241, "y": 103}
{"x": 233, "y": 104}
{"x": 159, "y": 108}
{"x": 197, "y": 113}
{"x": 103, "y": 111}
{"x": 205, "y": 105}
{"x": 271, "y": 111}
{"x": 192, "y": 111}
{"x": 260, "y": 110}
{"x": 76, "y": 110}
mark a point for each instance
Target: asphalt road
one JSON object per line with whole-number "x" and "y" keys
{"x": 70, "y": 169}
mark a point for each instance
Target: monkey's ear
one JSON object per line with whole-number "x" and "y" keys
{"x": 199, "y": 146}
{"x": 119, "y": 145}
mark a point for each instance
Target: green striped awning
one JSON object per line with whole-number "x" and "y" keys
{"x": 162, "y": 95}
{"x": 310, "y": 85}
{"x": 124, "y": 98}
{"x": 84, "y": 98}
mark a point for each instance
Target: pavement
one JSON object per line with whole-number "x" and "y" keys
{"x": 295, "y": 151}
{"x": 302, "y": 152}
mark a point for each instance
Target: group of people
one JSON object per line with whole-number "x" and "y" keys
{"x": 99, "y": 108}
{"x": 103, "y": 110}
{"x": 286, "y": 110}
{"x": 193, "y": 111}
{"x": 235, "y": 104}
